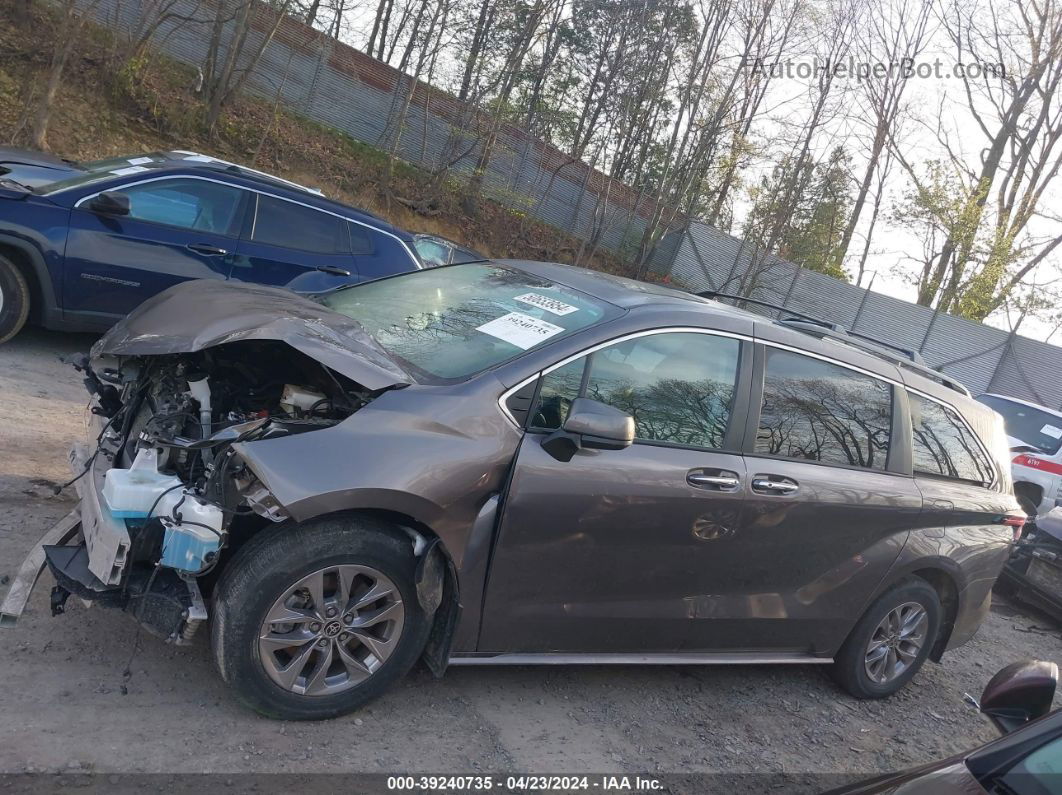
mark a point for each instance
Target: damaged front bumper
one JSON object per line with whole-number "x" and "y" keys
{"x": 18, "y": 594}
{"x": 87, "y": 552}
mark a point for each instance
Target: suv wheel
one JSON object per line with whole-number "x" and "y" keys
{"x": 312, "y": 621}
{"x": 14, "y": 299}
{"x": 890, "y": 642}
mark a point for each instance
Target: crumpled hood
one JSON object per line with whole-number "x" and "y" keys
{"x": 200, "y": 314}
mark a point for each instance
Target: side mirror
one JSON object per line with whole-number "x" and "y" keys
{"x": 591, "y": 425}
{"x": 110, "y": 203}
{"x": 1019, "y": 693}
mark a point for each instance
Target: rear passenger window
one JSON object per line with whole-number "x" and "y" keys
{"x": 360, "y": 240}
{"x": 943, "y": 445}
{"x": 289, "y": 225}
{"x": 679, "y": 387}
{"x": 818, "y": 411}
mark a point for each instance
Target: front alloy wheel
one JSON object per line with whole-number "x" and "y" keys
{"x": 331, "y": 630}
{"x": 314, "y": 620}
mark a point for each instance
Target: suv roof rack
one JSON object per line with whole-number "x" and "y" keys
{"x": 236, "y": 168}
{"x": 823, "y": 329}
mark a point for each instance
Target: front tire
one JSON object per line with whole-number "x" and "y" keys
{"x": 14, "y": 300}
{"x": 891, "y": 641}
{"x": 313, "y": 621}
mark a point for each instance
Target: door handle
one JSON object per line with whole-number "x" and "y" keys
{"x": 333, "y": 270}
{"x": 940, "y": 505}
{"x": 722, "y": 480}
{"x": 207, "y": 249}
{"x": 770, "y": 484}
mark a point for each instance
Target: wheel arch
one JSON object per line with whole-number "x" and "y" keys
{"x": 948, "y": 591}
{"x": 1034, "y": 491}
{"x": 438, "y": 589}
{"x": 945, "y": 576}
{"x": 31, "y": 265}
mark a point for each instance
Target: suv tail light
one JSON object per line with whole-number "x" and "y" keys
{"x": 1016, "y": 521}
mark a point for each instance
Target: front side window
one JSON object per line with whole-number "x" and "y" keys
{"x": 679, "y": 386}
{"x": 817, "y": 411}
{"x": 289, "y": 225}
{"x": 448, "y": 323}
{"x": 187, "y": 203}
{"x": 944, "y": 445}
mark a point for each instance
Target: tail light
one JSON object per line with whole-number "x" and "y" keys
{"x": 1015, "y": 521}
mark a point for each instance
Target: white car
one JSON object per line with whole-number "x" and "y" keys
{"x": 1035, "y": 436}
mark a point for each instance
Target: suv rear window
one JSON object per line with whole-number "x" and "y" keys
{"x": 289, "y": 225}
{"x": 944, "y": 446}
{"x": 1032, "y": 426}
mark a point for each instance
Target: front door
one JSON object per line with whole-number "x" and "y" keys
{"x": 618, "y": 551}
{"x": 177, "y": 229}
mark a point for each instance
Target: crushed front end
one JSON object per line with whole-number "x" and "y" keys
{"x": 164, "y": 495}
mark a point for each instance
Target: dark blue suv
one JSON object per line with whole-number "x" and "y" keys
{"x": 81, "y": 244}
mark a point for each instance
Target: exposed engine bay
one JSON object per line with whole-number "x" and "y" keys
{"x": 164, "y": 493}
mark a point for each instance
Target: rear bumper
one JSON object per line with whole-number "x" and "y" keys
{"x": 18, "y": 594}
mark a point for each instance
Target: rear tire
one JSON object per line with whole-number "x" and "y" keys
{"x": 14, "y": 300}
{"x": 342, "y": 661}
{"x": 879, "y": 657}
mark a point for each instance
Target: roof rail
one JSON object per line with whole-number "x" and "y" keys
{"x": 236, "y": 168}
{"x": 898, "y": 355}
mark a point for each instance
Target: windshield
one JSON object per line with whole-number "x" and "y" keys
{"x": 1032, "y": 426}
{"x": 452, "y": 322}
{"x": 95, "y": 170}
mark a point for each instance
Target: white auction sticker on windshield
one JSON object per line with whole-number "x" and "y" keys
{"x": 1052, "y": 431}
{"x": 520, "y": 330}
{"x": 547, "y": 303}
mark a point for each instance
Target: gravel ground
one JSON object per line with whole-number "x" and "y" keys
{"x": 66, "y": 705}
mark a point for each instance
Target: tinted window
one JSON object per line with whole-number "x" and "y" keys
{"x": 360, "y": 239}
{"x": 678, "y": 387}
{"x": 389, "y": 256}
{"x": 452, "y": 322}
{"x": 1036, "y": 428}
{"x": 943, "y": 445}
{"x": 817, "y": 411}
{"x": 187, "y": 203}
{"x": 289, "y": 225}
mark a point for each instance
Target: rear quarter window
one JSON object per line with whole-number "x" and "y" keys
{"x": 944, "y": 446}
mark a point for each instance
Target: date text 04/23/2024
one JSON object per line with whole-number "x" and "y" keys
{"x": 525, "y": 783}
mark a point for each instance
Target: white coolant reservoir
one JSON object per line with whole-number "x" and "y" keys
{"x": 192, "y": 531}
{"x": 130, "y": 493}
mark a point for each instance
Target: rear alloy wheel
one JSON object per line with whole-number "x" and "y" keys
{"x": 891, "y": 641}
{"x": 14, "y": 300}
{"x": 313, "y": 620}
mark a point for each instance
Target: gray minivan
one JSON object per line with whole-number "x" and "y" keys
{"x": 518, "y": 463}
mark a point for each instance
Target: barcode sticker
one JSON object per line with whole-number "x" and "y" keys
{"x": 520, "y": 330}
{"x": 547, "y": 303}
{"x": 1052, "y": 431}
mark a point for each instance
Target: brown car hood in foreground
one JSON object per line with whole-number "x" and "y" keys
{"x": 201, "y": 314}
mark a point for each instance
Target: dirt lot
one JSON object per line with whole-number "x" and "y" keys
{"x": 66, "y": 705}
